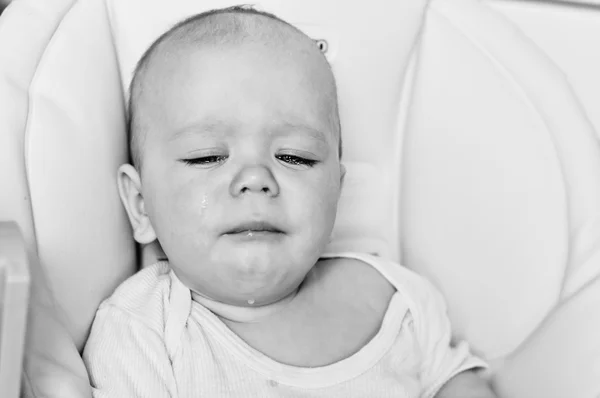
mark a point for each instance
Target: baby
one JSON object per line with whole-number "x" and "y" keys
{"x": 236, "y": 148}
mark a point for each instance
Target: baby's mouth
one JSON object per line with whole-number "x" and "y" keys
{"x": 254, "y": 228}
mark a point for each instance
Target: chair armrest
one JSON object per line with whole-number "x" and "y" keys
{"x": 14, "y": 297}
{"x": 562, "y": 357}
{"x": 36, "y": 350}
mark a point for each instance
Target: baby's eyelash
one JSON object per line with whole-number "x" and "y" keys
{"x": 297, "y": 160}
{"x": 208, "y": 160}
{"x": 204, "y": 160}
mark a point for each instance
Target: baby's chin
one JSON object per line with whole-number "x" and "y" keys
{"x": 246, "y": 271}
{"x": 260, "y": 262}
{"x": 253, "y": 297}
{"x": 262, "y": 284}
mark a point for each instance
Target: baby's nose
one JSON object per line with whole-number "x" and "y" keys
{"x": 257, "y": 179}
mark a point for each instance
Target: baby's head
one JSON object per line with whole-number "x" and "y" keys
{"x": 235, "y": 140}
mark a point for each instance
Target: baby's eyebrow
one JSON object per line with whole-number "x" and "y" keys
{"x": 209, "y": 126}
{"x": 288, "y": 128}
{"x": 215, "y": 126}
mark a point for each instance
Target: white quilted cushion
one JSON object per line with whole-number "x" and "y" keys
{"x": 562, "y": 358}
{"x": 501, "y": 176}
{"x": 63, "y": 76}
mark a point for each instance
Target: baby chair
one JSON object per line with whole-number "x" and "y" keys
{"x": 469, "y": 160}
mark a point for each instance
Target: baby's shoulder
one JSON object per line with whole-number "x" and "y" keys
{"x": 356, "y": 277}
{"x": 379, "y": 279}
{"x": 143, "y": 295}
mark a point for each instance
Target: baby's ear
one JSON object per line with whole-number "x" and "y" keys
{"x": 130, "y": 190}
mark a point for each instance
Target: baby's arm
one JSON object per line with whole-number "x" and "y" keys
{"x": 447, "y": 369}
{"x": 466, "y": 385}
{"x": 127, "y": 358}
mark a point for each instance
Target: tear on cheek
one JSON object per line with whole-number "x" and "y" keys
{"x": 203, "y": 205}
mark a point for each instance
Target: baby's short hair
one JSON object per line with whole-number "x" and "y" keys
{"x": 207, "y": 27}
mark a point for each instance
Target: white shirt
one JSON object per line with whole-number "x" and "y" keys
{"x": 150, "y": 339}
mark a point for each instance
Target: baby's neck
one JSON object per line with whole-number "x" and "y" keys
{"x": 244, "y": 314}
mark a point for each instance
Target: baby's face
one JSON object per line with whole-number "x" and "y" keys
{"x": 241, "y": 175}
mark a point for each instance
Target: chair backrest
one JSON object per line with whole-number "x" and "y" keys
{"x": 468, "y": 157}
{"x": 501, "y": 177}
{"x": 62, "y": 139}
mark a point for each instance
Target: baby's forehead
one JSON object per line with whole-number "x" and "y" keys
{"x": 209, "y": 38}
{"x": 231, "y": 29}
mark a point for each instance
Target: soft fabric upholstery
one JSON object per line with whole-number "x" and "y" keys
{"x": 562, "y": 357}
{"x": 468, "y": 156}
{"x": 63, "y": 137}
{"x": 498, "y": 152}
{"x": 565, "y": 32}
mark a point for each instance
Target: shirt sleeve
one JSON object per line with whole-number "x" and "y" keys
{"x": 442, "y": 359}
{"x": 125, "y": 358}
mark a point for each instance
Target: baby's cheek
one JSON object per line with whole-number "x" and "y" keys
{"x": 196, "y": 207}
{"x": 189, "y": 208}
{"x": 317, "y": 205}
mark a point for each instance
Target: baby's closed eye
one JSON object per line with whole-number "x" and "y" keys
{"x": 296, "y": 160}
{"x": 204, "y": 160}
